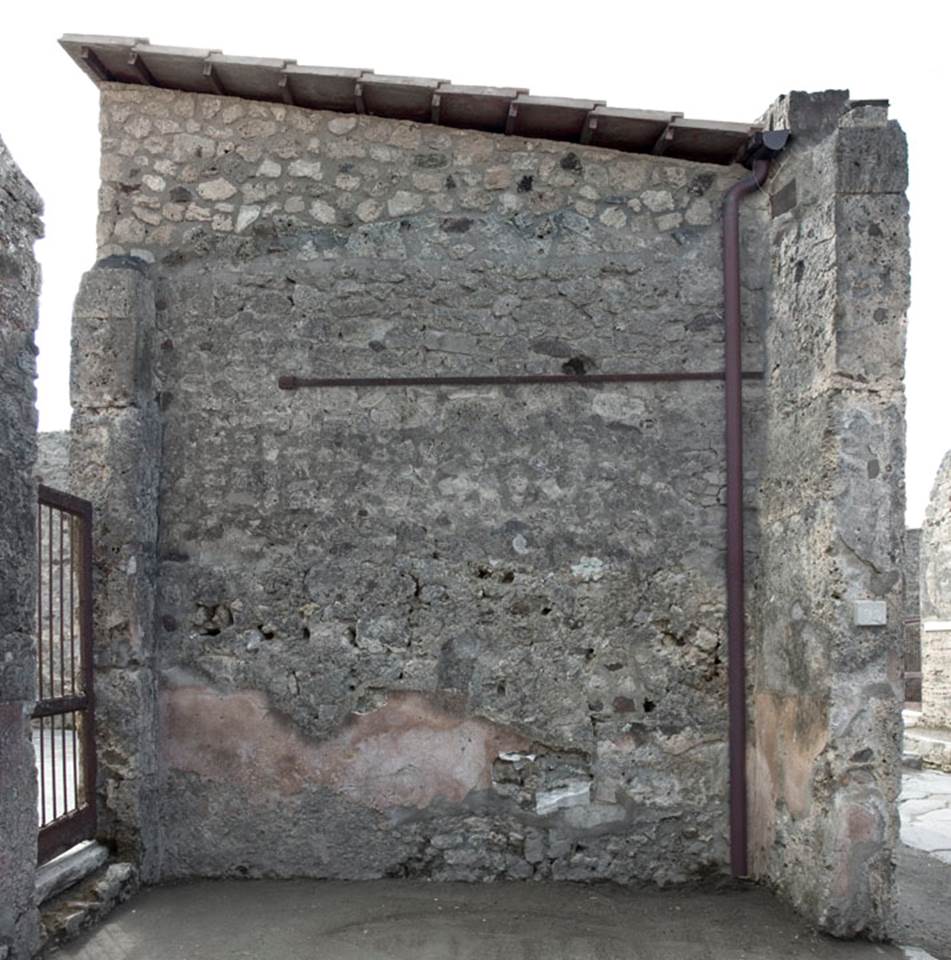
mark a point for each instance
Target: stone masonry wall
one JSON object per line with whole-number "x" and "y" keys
{"x": 20, "y": 227}
{"x": 478, "y": 632}
{"x": 936, "y": 603}
{"x": 827, "y": 689}
{"x": 912, "y": 629}
{"x": 460, "y": 633}
{"x": 52, "y": 459}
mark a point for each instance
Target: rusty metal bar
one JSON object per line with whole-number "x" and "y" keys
{"x": 297, "y": 383}
{"x": 74, "y": 522}
{"x": 62, "y": 611}
{"x": 56, "y": 705}
{"x": 62, "y": 664}
{"x": 75, "y": 719}
{"x": 52, "y": 663}
{"x": 42, "y": 766}
{"x": 39, "y": 653}
{"x": 48, "y": 496}
{"x": 86, "y": 648}
{"x": 72, "y": 604}
{"x": 66, "y": 832}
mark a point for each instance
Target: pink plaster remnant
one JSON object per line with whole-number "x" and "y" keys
{"x": 855, "y": 826}
{"x": 411, "y": 751}
{"x": 791, "y": 733}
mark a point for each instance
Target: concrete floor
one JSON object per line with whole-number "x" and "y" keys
{"x": 397, "y": 919}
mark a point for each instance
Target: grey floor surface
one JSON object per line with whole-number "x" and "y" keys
{"x": 397, "y": 919}
{"x": 321, "y": 920}
{"x": 924, "y": 902}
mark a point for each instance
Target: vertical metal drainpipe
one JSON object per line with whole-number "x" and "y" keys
{"x": 764, "y": 148}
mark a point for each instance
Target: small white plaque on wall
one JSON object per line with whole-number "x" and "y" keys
{"x": 870, "y": 613}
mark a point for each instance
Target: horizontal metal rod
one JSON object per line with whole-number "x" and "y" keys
{"x": 66, "y": 832}
{"x": 57, "y": 705}
{"x": 49, "y": 497}
{"x": 297, "y": 383}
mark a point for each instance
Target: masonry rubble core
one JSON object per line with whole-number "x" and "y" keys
{"x": 478, "y": 633}
{"x": 20, "y": 226}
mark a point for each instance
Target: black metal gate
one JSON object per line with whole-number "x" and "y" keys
{"x": 63, "y": 722}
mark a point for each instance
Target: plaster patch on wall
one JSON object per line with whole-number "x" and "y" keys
{"x": 796, "y": 729}
{"x": 413, "y": 750}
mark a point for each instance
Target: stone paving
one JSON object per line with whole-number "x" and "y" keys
{"x": 925, "y": 807}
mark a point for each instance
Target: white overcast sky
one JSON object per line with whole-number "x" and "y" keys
{"x": 717, "y": 61}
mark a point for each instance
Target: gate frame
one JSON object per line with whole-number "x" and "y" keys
{"x": 80, "y": 824}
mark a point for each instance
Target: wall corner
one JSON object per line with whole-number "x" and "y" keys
{"x": 827, "y": 682}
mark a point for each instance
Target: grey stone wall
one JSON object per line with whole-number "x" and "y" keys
{"x": 912, "y": 631}
{"x": 20, "y": 226}
{"x": 465, "y": 633}
{"x": 826, "y": 692}
{"x": 936, "y": 602}
{"x": 478, "y": 632}
{"x": 52, "y": 459}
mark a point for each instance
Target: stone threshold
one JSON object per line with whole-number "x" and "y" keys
{"x": 86, "y": 899}
{"x": 68, "y": 869}
{"x": 932, "y": 745}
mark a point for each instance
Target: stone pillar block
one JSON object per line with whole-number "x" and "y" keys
{"x": 114, "y": 462}
{"x": 126, "y": 709}
{"x": 936, "y": 678}
{"x": 872, "y": 160}
{"x": 112, "y": 320}
{"x": 872, "y": 255}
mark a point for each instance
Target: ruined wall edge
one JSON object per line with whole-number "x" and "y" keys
{"x": 827, "y": 670}
{"x": 20, "y": 226}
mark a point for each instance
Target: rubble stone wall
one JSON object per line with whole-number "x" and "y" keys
{"x": 478, "y": 632}
{"x": 52, "y": 459}
{"x": 20, "y": 227}
{"x": 936, "y": 603}
{"x": 462, "y": 633}
{"x": 827, "y": 641}
{"x": 912, "y": 632}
